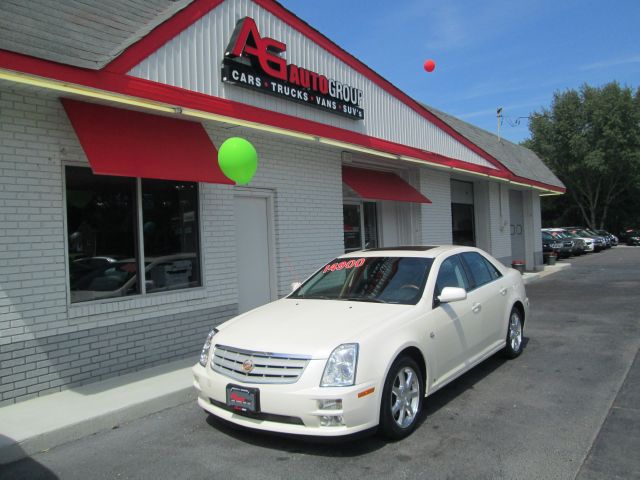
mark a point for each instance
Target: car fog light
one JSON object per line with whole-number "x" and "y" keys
{"x": 333, "y": 404}
{"x": 331, "y": 421}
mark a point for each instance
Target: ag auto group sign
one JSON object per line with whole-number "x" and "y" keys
{"x": 254, "y": 62}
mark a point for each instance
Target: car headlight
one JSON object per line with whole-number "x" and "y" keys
{"x": 340, "y": 370}
{"x": 204, "y": 355}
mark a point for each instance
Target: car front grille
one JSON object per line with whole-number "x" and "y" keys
{"x": 257, "y": 367}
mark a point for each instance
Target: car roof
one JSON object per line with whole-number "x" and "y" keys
{"x": 424, "y": 251}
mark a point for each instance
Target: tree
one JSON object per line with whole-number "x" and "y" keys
{"x": 591, "y": 140}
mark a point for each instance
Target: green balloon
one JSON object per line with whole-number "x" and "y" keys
{"x": 238, "y": 160}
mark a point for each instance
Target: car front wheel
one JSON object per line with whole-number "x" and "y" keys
{"x": 402, "y": 398}
{"x": 515, "y": 333}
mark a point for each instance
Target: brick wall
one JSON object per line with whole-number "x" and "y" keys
{"x": 49, "y": 363}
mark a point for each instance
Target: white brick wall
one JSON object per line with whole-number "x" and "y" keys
{"x": 435, "y": 218}
{"x": 307, "y": 183}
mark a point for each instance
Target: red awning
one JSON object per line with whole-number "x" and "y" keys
{"x": 381, "y": 185}
{"x": 129, "y": 143}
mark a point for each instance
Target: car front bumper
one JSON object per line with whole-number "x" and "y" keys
{"x": 293, "y": 408}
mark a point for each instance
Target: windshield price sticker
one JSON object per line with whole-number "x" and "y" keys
{"x": 343, "y": 264}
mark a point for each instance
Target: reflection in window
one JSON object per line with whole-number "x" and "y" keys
{"x": 370, "y": 225}
{"x": 352, "y": 234}
{"x": 101, "y": 225}
{"x": 462, "y": 225}
{"x": 373, "y": 279}
{"x": 451, "y": 274}
{"x": 170, "y": 228}
{"x": 481, "y": 270}
{"x": 360, "y": 224}
{"x": 105, "y": 247}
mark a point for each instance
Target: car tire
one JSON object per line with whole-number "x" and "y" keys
{"x": 402, "y": 399}
{"x": 515, "y": 334}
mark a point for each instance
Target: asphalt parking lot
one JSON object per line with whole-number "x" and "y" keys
{"x": 568, "y": 408}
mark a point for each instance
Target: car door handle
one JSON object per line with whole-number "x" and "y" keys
{"x": 476, "y": 307}
{"x": 503, "y": 291}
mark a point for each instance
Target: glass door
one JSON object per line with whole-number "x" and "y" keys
{"x": 360, "y": 226}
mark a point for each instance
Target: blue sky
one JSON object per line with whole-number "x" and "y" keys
{"x": 492, "y": 53}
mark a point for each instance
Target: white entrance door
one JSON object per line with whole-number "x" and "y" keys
{"x": 253, "y": 252}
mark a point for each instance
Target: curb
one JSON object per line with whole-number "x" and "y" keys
{"x": 124, "y": 399}
{"x": 531, "y": 277}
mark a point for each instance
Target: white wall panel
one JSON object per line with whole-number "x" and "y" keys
{"x": 436, "y": 216}
{"x": 192, "y": 60}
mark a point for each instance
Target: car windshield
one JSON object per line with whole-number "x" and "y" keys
{"x": 398, "y": 280}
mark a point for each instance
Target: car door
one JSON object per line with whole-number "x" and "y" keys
{"x": 488, "y": 296}
{"x": 454, "y": 331}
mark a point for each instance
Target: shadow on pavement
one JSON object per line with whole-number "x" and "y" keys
{"x": 365, "y": 442}
{"x": 25, "y": 469}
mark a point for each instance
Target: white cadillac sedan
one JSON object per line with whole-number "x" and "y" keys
{"x": 362, "y": 342}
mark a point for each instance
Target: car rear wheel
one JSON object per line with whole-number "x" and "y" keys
{"x": 402, "y": 398}
{"x": 515, "y": 333}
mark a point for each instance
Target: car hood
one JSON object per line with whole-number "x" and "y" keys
{"x": 306, "y": 327}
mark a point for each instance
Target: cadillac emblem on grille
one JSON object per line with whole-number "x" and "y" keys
{"x": 248, "y": 366}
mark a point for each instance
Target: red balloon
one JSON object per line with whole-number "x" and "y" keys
{"x": 429, "y": 65}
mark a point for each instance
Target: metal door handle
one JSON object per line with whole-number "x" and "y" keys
{"x": 503, "y": 291}
{"x": 476, "y": 307}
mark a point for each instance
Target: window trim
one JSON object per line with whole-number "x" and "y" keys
{"x": 188, "y": 293}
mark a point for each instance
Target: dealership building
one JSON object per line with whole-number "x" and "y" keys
{"x": 122, "y": 243}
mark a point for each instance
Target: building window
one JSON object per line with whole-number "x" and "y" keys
{"x": 108, "y": 246}
{"x": 360, "y": 226}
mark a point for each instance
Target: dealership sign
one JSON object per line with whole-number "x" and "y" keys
{"x": 254, "y": 62}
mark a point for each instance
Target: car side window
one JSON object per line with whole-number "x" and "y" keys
{"x": 482, "y": 271}
{"x": 451, "y": 274}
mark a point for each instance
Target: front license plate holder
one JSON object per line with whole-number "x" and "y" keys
{"x": 243, "y": 399}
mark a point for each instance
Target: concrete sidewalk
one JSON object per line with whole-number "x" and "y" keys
{"x": 42, "y": 423}
{"x": 45, "y": 422}
{"x": 529, "y": 277}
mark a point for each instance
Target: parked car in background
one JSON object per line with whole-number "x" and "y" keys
{"x": 632, "y": 237}
{"x": 587, "y": 242}
{"x": 598, "y": 241}
{"x": 573, "y": 245}
{"x": 612, "y": 238}
{"x": 605, "y": 240}
{"x": 362, "y": 342}
{"x": 550, "y": 244}
{"x": 580, "y": 244}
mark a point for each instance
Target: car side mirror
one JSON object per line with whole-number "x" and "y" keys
{"x": 295, "y": 286}
{"x": 452, "y": 294}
